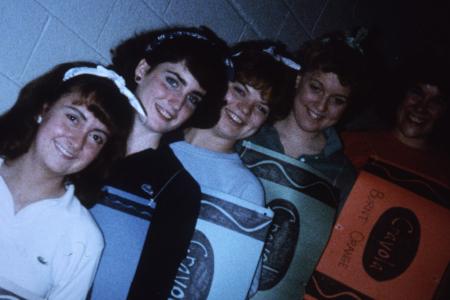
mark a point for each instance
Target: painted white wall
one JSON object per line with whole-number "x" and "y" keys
{"x": 38, "y": 34}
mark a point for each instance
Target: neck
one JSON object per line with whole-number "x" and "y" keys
{"x": 206, "y": 138}
{"x": 141, "y": 138}
{"x": 22, "y": 173}
{"x": 297, "y": 141}
{"x": 417, "y": 143}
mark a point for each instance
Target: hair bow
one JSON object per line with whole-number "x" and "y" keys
{"x": 286, "y": 61}
{"x": 114, "y": 77}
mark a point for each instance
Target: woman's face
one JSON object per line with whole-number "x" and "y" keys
{"x": 169, "y": 93}
{"x": 422, "y": 106}
{"x": 69, "y": 137}
{"x": 244, "y": 113}
{"x": 320, "y": 101}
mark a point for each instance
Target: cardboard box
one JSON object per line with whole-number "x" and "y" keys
{"x": 391, "y": 240}
{"x": 225, "y": 250}
{"x": 304, "y": 203}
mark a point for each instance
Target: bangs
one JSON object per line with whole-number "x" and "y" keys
{"x": 210, "y": 73}
{"x": 96, "y": 97}
{"x": 264, "y": 86}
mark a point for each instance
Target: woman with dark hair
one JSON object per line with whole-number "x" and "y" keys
{"x": 151, "y": 203}
{"x": 259, "y": 85}
{"x": 299, "y": 158}
{"x": 418, "y": 113}
{"x": 56, "y": 143}
{"x": 208, "y": 154}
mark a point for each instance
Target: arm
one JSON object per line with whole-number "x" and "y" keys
{"x": 169, "y": 237}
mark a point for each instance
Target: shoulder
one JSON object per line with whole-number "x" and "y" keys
{"x": 81, "y": 227}
{"x": 255, "y": 192}
{"x": 166, "y": 156}
{"x": 185, "y": 183}
{"x": 251, "y": 187}
{"x": 268, "y": 137}
{"x": 189, "y": 154}
{"x": 180, "y": 146}
{"x": 177, "y": 182}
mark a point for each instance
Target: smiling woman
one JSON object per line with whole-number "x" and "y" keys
{"x": 170, "y": 94}
{"x": 332, "y": 72}
{"x": 418, "y": 108}
{"x": 151, "y": 203}
{"x": 69, "y": 137}
{"x": 208, "y": 153}
{"x": 300, "y": 158}
{"x": 56, "y": 143}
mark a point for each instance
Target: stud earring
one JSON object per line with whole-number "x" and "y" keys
{"x": 137, "y": 78}
{"x": 39, "y": 119}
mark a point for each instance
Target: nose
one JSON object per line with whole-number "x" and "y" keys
{"x": 322, "y": 104}
{"x": 245, "y": 107}
{"x": 77, "y": 140}
{"x": 177, "y": 101}
{"x": 421, "y": 105}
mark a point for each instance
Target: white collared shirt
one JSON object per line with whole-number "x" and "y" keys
{"x": 49, "y": 249}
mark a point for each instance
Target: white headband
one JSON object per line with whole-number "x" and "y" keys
{"x": 195, "y": 35}
{"x": 173, "y": 35}
{"x": 114, "y": 77}
{"x": 286, "y": 61}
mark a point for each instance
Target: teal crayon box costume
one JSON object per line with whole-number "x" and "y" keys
{"x": 304, "y": 204}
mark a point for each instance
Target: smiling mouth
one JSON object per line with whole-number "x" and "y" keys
{"x": 314, "y": 115}
{"x": 234, "y": 117}
{"x": 64, "y": 151}
{"x": 416, "y": 119}
{"x": 163, "y": 112}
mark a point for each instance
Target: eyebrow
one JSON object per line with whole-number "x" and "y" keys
{"x": 177, "y": 76}
{"x": 416, "y": 89}
{"x": 244, "y": 86}
{"x": 183, "y": 82}
{"x": 199, "y": 94}
{"x": 79, "y": 112}
{"x": 316, "y": 80}
{"x": 263, "y": 101}
{"x": 83, "y": 116}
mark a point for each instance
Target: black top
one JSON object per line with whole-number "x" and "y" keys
{"x": 177, "y": 197}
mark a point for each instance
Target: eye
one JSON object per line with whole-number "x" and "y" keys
{"x": 340, "y": 100}
{"x": 72, "y": 118}
{"x": 172, "y": 82}
{"x": 194, "y": 99}
{"x": 263, "y": 109}
{"x": 437, "y": 103}
{"x": 415, "y": 91}
{"x": 314, "y": 87}
{"x": 98, "y": 139}
{"x": 239, "y": 90}
{"x": 415, "y": 94}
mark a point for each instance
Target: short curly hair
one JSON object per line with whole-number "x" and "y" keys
{"x": 332, "y": 53}
{"x": 262, "y": 70}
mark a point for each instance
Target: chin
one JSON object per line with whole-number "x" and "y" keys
{"x": 308, "y": 127}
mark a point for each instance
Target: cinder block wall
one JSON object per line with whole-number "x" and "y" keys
{"x": 37, "y": 34}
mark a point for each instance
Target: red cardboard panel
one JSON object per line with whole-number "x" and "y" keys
{"x": 389, "y": 242}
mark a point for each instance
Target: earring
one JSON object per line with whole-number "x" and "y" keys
{"x": 137, "y": 78}
{"x": 39, "y": 119}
